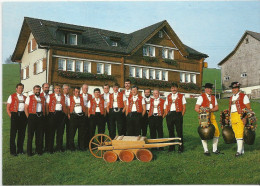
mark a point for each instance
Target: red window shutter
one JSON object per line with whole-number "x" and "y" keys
{"x": 27, "y": 72}
{"x": 34, "y": 68}
{"x": 44, "y": 64}
{"x": 34, "y": 44}
{"x": 29, "y": 47}
{"x": 22, "y": 73}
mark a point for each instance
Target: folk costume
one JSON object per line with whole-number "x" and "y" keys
{"x": 134, "y": 117}
{"x": 18, "y": 122}
{"x": 238, "y": 102}
{"x": 97, "y": 112}
{"x": 206, "y": 100}
{"x": 36, "y": 110}
{"x": 116, "y": 115}
{"x": 77, "y": 121}
{"x": 174, "y": 107}
{"x": 145, "y": 121}
{"x": 127, "y": 94}
{"x": 155, "y": 114}
{"x": 105, "y": 96}
{"x": 46, "y": 125}
{"x": 67, "y": 121}
{"x": 57, "y": 113}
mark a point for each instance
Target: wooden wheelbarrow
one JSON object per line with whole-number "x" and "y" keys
{"x": 126, "y": 147}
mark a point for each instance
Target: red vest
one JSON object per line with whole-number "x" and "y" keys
{"x": 120, "y": 101}
{"x": 89, "y": 96}
{"x": 15, "y": 102}
{"x": 72, "y": 104}
{"x": 52, "y": 103}
{"x": 206, "y": 102}
{"x": 159, "y": 107}
{"x": 239, "y": 103}
{"x": 33, "y": 104}
{"x": 138, "y": 103}
{"x": 178, "y": 103}
{"x": 93, "y": 105}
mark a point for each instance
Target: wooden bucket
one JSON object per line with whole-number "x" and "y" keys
{"x": 110, "y": 156}
{"x": 144, "y": 155}
{"x": 126, "y": 156}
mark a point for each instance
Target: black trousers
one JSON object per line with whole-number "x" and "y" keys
{"x": 175, "y": 120}
{"x": 67, "y": 126}
{"x": 124, "y": 128}
{"x": 56, "y": 121}
{"x": 156, "y": 127}
{"x": 77, "y": 122}
{"x": 46, "y": 133}
{"x": 87, "y": 136}
{"x": 134, "y": 120}
{"x": 35, "y": 126}
{"x": 144, "y": 124}
{"x": 18, "y": 126}
{"x": 96, "y": 120}
{"x": 116, "y": 121}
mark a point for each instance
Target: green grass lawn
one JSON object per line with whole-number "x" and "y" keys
{"x": 210, "y": 75}
{"x": 191, "y": 167}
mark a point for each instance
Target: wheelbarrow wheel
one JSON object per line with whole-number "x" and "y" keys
{"x": 98, "y": 141}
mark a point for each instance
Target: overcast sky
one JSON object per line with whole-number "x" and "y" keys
{"x": 213, "y": 28}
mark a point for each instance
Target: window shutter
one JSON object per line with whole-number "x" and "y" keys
{"x": 34, "y": 68}
{"x": 27, "y": 72}
{"x": 33, "y": 44}
{"x": 44, "y": 64}
{"x": 29, "y": 47}
{"x": 22, "y": 73}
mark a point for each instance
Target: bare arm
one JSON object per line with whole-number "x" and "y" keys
{"x": 248, "y": 106}
{"x": 126, "y": 111}
{"x": 144, "y": 110}
{"x": 26, "y": 110}
{"x": 124, "y": 107}
{"x": 215, "y": 109}
{"x": 47, "y": 109}
{"x": 197, "y": 108}
{"x": 184, "y": 109}
{"x": 108, "y": 105}
{"x": 8, "y": 109}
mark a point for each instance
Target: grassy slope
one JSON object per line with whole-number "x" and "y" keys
{"x": 191, "y": 167}
{"x": 210, "y": 75}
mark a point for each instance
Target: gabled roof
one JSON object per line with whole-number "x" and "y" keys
{"x": 44, "y": 32}
{"x": 253, "y": 34}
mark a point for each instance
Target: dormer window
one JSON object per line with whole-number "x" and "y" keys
{"x": 73, "y": 39}
{"x": 69, "y": 38}
{"x": 114, "y": 43}
{"x": 160, "y": 34}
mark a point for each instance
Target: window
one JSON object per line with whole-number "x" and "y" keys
{"x": 145, "y": 51}
{"x": 70, "y": 65}
{"x": 145, "y": 73}
{"x": 152, "y": 51}
{"x": 62, "y": 64}
{"x": 73, "y": 39}
{"x": 24, "y": 73}
{"x": 87, "y": 67}
{"x": 187, "y": 78}
{"x": 151, "y": 74}
{"x": 193, "y": 78}
{"x": 182, "y": 77}
{"x": 39, "y": 67}
{"x": 79, "y": 66}
{"x": 108, "y": 69}
{"x": 138, "y": 72}
{"x": 167, "y": 53}
{"x": 164, "y": 75}
{"x": 164, "y": 53}
{"x": 160, "y": 34}
{"x": 244, "y": 74}
{"x": 100, "y": 68}
{"x": 149, "y": 51}
{"x": 171, "y": 54}
{"x": 113, "y": 43}
{"x": 63, "y": 38}
{"x": 132, "y": 71}
{"x": 226, "y": 78}
{"x": 157, "y": 74}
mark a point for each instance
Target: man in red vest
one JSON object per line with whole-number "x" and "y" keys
{"x": 96, "y": 113}
{"x": 46, "y": 126}
{"x": 116, "y": 110}
{"x": 86, "y": 97}
{"x": 237, "y": 102}
{"x": 77, "y": 112}
{"x": 147, "y": 99}
{"x": 56, "y": 111}
{"x": 66, "y": 90}
{"x": 175, "y": 107}
{"x": 135, "y": 110}
{"x": 208, "y": 100}
{"x": 35, "y": 111}
{"x": 156, "y": 115}
{"x": 105, "y": 96}
{"x": 127, "y": 93}
{"x": 15, "y": 110}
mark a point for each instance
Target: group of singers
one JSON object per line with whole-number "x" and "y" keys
{"x": 125, "y": 113}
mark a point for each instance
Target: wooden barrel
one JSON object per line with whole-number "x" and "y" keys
{"x": 126, "y": 156}
{"x": 144, "y": 155}
{"x": 110, "y": 156}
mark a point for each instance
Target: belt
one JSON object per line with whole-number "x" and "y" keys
{"x": 78, "y": 114}
{"x": 117, "y": 109}
{"x": 155, "y": 114}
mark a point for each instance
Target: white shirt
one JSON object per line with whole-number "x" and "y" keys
{"x": 147, "y": 102}
{"x": 46, "y": 96}
{"x": 200, "y": 100}
{"x": 134, "y": 105}
{"x": 58, "y": 106}
{"x": 127, "y": 93}
{"x": 39, "y": 104}
{"x": 67, "y": 99}
{"x": 78, "y": 107}
{"x": 21, "y": 99}
{"x": 234, "y": 98}
{"x": 156, "y": 103}
{"x": 97, "y": 101}
{"x": 106, "y": 98}
{"x": 174, "y": 97}
{"x": 115, "y": 105}
{"x": 85, "y": 98}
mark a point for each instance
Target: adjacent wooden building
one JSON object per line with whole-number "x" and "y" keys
{"x": 61, "y": 53}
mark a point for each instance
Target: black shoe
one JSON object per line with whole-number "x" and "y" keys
{"x": 207, "y": 153}
{"x": 238, "y": 154}
{"x": 13, "y": 154}
{"x": 217, "y": 152}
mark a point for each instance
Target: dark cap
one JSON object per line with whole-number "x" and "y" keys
{"x": 174, "y": 85}
{"x": 208, "y": 85}
{"x": 235, "y": 85}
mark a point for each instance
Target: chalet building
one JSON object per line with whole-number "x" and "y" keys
{"x": 243, "y": 65}
{"x": 60, "y": 53}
